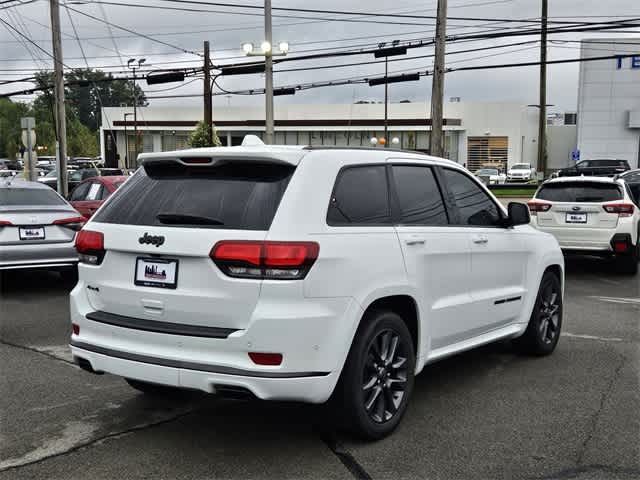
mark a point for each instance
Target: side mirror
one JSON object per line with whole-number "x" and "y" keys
{"x": 518, "y": 214}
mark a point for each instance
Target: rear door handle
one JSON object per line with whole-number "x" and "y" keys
{"x": 415, "y": 241}
{"x": 480, "y": 240}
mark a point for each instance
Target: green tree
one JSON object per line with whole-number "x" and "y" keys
{"x": 198, "y": 137}
{"x": 10, "y": 129}
{"x": 90, "y": 90}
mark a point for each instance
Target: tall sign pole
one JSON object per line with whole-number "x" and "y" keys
{"x": 208, "y": 99}
{"x": 61, "y": 119}
{"x": 437, "y": 90}
{"x": 268, "y": 93}
{"x": 28, "y": 125}
{"x": 542, "y": 125}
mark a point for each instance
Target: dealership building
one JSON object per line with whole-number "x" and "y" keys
{"x": 609, "y": 100}
{"x": 476, "y": 134}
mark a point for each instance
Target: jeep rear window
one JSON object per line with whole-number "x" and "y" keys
{"x": 30, "y": 197}
{"x": 576, "y": 192}
{"x": 237, "y": 195}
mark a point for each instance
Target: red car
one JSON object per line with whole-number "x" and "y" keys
{"x": 90, "y": 194}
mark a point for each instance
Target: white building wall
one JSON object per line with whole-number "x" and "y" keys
{"x": 608, "y": 94}
{"x": 515, "y": 121}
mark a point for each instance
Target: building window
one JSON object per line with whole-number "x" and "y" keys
{"x": 487, "y": 152}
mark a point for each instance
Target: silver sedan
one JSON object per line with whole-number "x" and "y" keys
{"x": 37, "y": 228}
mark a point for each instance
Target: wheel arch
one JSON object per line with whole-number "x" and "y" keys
{"x": 406, "y": 307}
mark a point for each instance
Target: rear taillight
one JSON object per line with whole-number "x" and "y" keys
{"x": 4, "y": 223}
{"x": 536, "y": 206}
{"x": 90, "y": 246}
{"x": 622, "y": 209}
{"x": 265, "y": 260}
{"x": 74, "y": 223}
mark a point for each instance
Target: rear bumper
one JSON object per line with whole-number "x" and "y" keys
{"x": 597, "y": 240}
{"x": 312, "y": 334}
{"x": 46, "y": 255}
{"x": 311, "y": 387}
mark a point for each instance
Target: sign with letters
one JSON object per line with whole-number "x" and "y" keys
{"x": 628, "y": 62}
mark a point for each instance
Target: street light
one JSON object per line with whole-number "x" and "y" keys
{"x": 387, "y": 52}
{"x": 130, "y": 62}
{"x": 126, "y": 141}
{"x": 267, "y": 51}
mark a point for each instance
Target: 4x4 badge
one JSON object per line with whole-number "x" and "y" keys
{"x": 156, "y": 240}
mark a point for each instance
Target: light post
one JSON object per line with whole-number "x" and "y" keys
{"x": 132, "y": 61}
{"x": 266, "y": 51}
{"x": 393, "y": 51}
{"x": 126, "y": 141}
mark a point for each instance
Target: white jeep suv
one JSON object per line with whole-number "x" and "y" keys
{"x": 591, "y": 215}
{"x": 301, "y": 273}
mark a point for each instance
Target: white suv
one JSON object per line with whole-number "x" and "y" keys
{"x": 592, "y": 215}
{"x": 305, "y": 274}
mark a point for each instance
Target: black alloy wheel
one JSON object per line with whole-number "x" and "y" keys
{"x": 543, "y": 331}
{"x": 384, "y": 378}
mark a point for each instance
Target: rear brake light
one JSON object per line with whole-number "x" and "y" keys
{"x": 75, "y": 328}
{"x": 622, "y": 209}
{"x": 270, "y": 359}
{"x": 74, "y": 223}
{"x": 620, "y": 247}
{"x": 4, "y": 223}
{"x": 537, "y": 206}
{"x": 90, "y": 246}
{"x": 265, "y": 260}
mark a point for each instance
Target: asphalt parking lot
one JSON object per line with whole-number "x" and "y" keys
{"x": 487, "y": 414}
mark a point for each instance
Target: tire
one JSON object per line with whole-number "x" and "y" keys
{"x": 543, "y": 332}
{"x": 70, "y": 275}
{"x": 372, "y": 401}
{"x": 153, "y": 389}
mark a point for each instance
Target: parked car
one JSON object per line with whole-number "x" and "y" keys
{"x": 597, "y": 168}
{"x": 90, "y": 194}
{"x": 521, "y": 172}
{"x": 307, "y": 273}
{"x": 46, "y": 161}
{"x": 74, "y": 177}
{"x": 22, "y": 175}
{"x": 37, "y": 228}
{"x": 5, "y": 174}
{"x": 491, "y": 176}
{"x": 590, "y": 215}
{"x": 9, "y": 164}
{"x": 632, "y": 179}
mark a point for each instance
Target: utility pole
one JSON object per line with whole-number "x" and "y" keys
{"x": 208, "y": 99}
{"x": 61, "y": 119}
{"x": 542, "y": 127}
{"x": 135, "y": 117}
{"x": 437, "y": 90}
{"x": 268, "y": 63}
{"x": 386, "y": 102}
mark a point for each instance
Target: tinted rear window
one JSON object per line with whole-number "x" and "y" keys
{"x": 579, "y": 192}
{"x": 238, "y": 195}
{"x": 609, "y": 163}
{"x": 360, "y": 197}
{"x": 29, "y": 197}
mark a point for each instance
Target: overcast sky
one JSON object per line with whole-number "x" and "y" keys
{"x": 227, "y": 31}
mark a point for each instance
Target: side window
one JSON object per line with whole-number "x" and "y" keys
{"x": 105, "y": 193}
{"x": 419, "y": 197}
{"x": 80, "y": 192}
{"x": 584, "y": 164}
{"x": 95, "y": 192}
{"x": 474, "y": 205}
{"x": 360, "y": 197}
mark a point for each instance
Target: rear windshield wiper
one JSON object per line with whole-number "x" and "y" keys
{"x": 184, "y": 219}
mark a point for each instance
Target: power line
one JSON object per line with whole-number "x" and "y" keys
{"x": 135, "y": 33}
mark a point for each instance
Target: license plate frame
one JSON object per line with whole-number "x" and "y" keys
{"x": 579, "y": 218}
{"x": 41, "y": 235}
{"x": 147, "y": 278}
